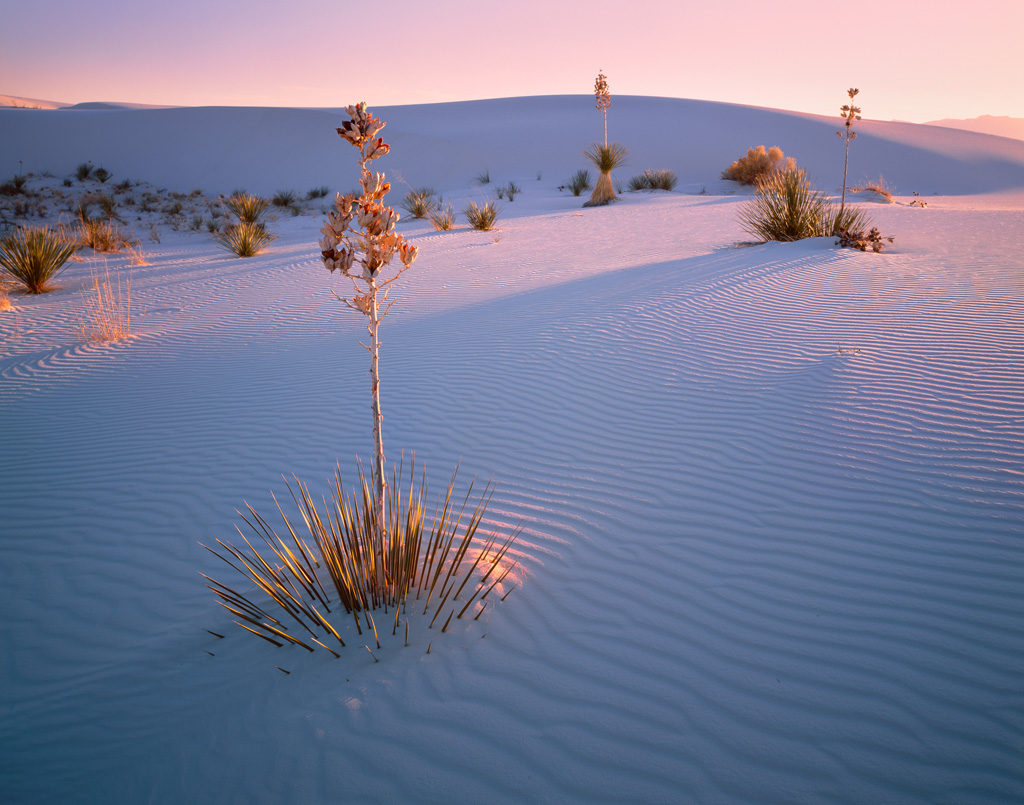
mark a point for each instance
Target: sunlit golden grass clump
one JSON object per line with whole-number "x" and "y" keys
{"x": 102, "y": 236}
{"x": 108, "y": 314}
{"x": 34, "y": 256}
{"x": 337, "y": 559}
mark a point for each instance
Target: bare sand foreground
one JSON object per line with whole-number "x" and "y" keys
{"x": 772, "y": 496}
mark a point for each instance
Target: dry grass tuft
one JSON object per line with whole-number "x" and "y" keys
{"x": 442, "y": 216}
{"x": 757, "y": 164}
{"x": 481, "y": 216}
{"x": 103, "y": 236}
{"x": 879, "y": 186}
{"x": 108, "y": 315}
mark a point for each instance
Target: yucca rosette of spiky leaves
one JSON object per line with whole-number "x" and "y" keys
{"x": 34, "y": 256}
{"x": 606, "y": 158}
{"x": 359, "y": 240}
{"x": 849, "y": 113}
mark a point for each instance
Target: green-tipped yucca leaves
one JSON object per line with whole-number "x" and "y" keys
{"x": 607, "y": 158}
{"x": 248, "y": 209}
{"x": 34, "y": 256}
{"x": 341, "y": 549}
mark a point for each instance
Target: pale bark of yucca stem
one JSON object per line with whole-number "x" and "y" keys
{"x": 378, "y": 442}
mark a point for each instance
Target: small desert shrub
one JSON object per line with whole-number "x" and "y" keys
{"x": 757, "y": 164}
{"x": 484, "y": 177}
{"x": 245, "y": 239}
{"x": 212, "y": 225}
{"x": 788, "y": 208}
{"x": 284, "y": 198}
{"x": 873, "y": 239}
{"x": 101, "y": 175}
{"x": 83, "y": 171}
{"x": 580, "y": 181}
{"x": 195, "y": 223}
{"x": 481, "y": 216}
{"x": 247, "y": 208}
{"x": 419, "y": 203}
{"x": 510, "y": 191}
{"x": 68, "y": 183}
{"x": 102, "y": 236}
{"x": 318, "y": 192}
{"x": 442, "y": 216}
{"x": 174, "y": 208}
{"x": 107, "y": 204}
{"x": 34, "y": 256}
{"x": 439, "y": 566}
{"x": 123, "y": 187}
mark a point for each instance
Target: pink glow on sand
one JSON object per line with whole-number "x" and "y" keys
{"x": 912, "y": 60}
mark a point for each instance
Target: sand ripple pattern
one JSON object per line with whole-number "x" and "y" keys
{"x": 774, "y": 545}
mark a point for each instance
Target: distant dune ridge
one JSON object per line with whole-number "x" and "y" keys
{"x": 266, "y": 149}
{"x": 999, "y": 125}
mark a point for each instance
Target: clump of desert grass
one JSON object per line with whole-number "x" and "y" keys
{"x": 108, "y": 308}
{"x": 509, "y": 191}
{"x": 757, "y": 164}
{"x": 788, "y": 208}
{"x": 420, "y": 202}
{"x": 331, "y": 558}
{"x": 104, "y": 237}
{"x": 481, "y": 216}
{"x": 5, "y": 298}
{"x": 606, "y": 158}
{"x": 654, "y": 180}
{"x": 442, "y": 216}
{"x": 244, "y": 239}
{"x": 34, "y": 256}
{"x": 579, "y": 182}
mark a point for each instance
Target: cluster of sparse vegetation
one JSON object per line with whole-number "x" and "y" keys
{"x": 509, "y": 191}
{"x": 788, "y": 208}
{"x": 757, "y": 164}
{"x": 654, "y": 180}
{"x": 442, "y": 216}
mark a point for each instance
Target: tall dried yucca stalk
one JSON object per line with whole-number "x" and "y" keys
{"x": 849, "y": 113}
{"x": 604, "y": 100}
{"x": 360, "y": 241}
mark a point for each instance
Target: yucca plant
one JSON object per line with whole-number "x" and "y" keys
{"x": 442, "y": 216}
{"x": 101, "y": 174}
{"x": 83, "y": 171}
{"x": 419, "y": 203}
{"x": 247, "y": 208}
{"x": 34, "y": 256}
{"x": 788, "y": 208}
{"x": 442, "y": 563}
{"x": 481, "y": 216}
{"x": 244, "y": 239}
{"x": 606, "y": 158}
{"x": 580, "y": 181}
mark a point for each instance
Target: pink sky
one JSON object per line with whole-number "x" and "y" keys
{"x": 912, "y": 60}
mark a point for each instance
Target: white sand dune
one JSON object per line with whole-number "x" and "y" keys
{"x": 772, "y": 496}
